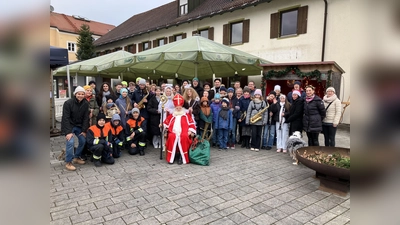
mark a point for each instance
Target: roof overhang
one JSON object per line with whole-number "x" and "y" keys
{"x": 305, "y": 66}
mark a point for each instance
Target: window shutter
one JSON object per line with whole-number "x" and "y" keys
{"x": 126, "y": 48}
{"x": 155, "y": 43}
{"x": 134, "y": 49}
{"x": 183, "y": 35}
{"x": 165, "y": 41}
{"x": 194, "y": 32}
{"x": 246, "y": 31}
{"x": 171, "y": 39}
{"x": 211, "y": 33}
{"x": 149, "y": 44}
{"x": 140, "y": 47}
{"x": 225, "y": 36}
{"x": 274, "y": 28}
{"x": 302, "y": 20}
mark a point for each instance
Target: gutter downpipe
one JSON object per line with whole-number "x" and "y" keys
{"x": 324, "y": 32}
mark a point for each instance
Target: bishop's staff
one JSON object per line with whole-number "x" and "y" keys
{"x": 163, "y": 100}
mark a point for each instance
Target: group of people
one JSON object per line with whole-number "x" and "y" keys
{"x": 108, "y": 120}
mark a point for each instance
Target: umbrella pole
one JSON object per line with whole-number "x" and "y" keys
{"x": 195, "y": 69}
{"x": 69, "y": 82}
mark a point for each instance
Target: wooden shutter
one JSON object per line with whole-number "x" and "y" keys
{"x": 126, "y": 48}
{"x": 183, "y": 35}
{"x": 165, "y": 41}
{"x": 149, "y": 44}
{"x": 302, "y": 20}
{"x": 194, "y": 32}
{"x": 140, "y": 47}
{"x": 211, "y": 33}
{"x": 134, "y": 49}
{"x": 171, "y": 39}
{"x": 274, "y": 27}
{"x": 155, "y": 43}
{"x": 246, "y": 31}
{"x": 225, "y": 35}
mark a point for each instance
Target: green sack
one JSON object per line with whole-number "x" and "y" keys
{"x": 199, "y": 152}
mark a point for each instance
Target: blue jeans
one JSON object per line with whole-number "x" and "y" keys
{"x": 222, "y": 137}
{"x": 232, "y": 134}
{"x": 269, "y": 135}
{"x": 69, "y": 152}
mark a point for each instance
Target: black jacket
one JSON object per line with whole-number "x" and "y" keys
{"x": 199, "y": 90}
{"x": 75, "y": 114}
{"x": 275, "y": 109}
{"x": 137, "y": 96}
{"x": 296, "y": 115}
{"x": 154, "y": 119}
{"x": 314, "y": 113}
{"x": 196, "y": 108}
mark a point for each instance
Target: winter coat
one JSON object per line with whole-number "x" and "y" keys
{"x": 275, "y": 109}
{"x": 290, "y": 98}
{"x": 314, "y": 113}
{"x": 155, "y": 116}
{"x": 99, "y": 98}
{"x": 199, "y": 90}
{"x": 94, "y": 132}
{"x": 205, "y": 119}
{"x": 137, "y": 96}
{"x": 244, "y": 105}
{"x": 93, "y": 105}
{"x": 123, "y": 108}
{"x": 295, "y": 117}
{"x": 196, "y": 108}
{"x": 215, "y": 109}
{"x": 75, "y": 114}
{"x": 334, "y": 112}
{"x": 235, "y": 104}
{"x": 253, "y": 109}
{"x": 224, "y": 124}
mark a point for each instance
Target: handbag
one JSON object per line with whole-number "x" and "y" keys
{"x": 199, "y": 152}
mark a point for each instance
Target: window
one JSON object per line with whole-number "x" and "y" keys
{"x": 178, "y": 37}
{"x": 236, "y": 32}
{"x": 161, "y": 42}
{"x": 146, "y": 46}
{"x": 183, "y": 7}
{"x": 71, "y": 46}
{"x": 204, "y": 33}
{"x": 132, "y": 48}
{"x": 289, "y": 22}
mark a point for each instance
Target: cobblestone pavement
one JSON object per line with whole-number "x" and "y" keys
{"x": 239, "y": 187}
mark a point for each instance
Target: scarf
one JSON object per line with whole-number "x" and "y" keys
{"x": 224, "y": 113}
{"x": 88, "y": 98}
{"x": 330, "y": 99}
{"x": 309, "y": 99}
{"x": 206, "y": 110}
{"x": 281, "y": 118}
{"x": 104, "y": 95}
{"x": 257, "y": 101}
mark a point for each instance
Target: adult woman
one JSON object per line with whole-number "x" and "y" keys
{"x": 93, "y": 107}
{"x": 246, "y": 129}
{"x": 125, "y": 106}
{"x": 333, "y": 107}
{"x": 192, "y": 102}
{"x": 207, "y": 87}
{"x": 281, "y": 111}
{"x": 177, "y": 89}
{"x": 104, "y": 91}
{"x": 314, "y": 113}
{"x": 155, "y": 114}
{"x": 255, "y": 106}
{"x": 296, "y": 113}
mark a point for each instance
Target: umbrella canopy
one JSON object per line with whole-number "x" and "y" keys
{"x": 196, "y": 57}
{"x": 58, "y": 57}
{"x": 100, "y": 65}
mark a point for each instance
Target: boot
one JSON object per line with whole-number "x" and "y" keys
{"x": 141, "y": 152}
{"x": 243, "y": 143}
{"x": 97, "y": 162}
{"x": 247, "y": 142}
{"x": 70, "y": 167}
{"x": 180, "y": 161}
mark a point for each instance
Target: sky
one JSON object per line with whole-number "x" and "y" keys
{"x": 112, "y": 12}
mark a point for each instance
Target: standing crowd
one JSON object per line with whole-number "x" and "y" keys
{"x": 108, "y": 120}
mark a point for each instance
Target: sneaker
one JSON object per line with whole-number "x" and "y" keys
{"x": 268, "y": 148}
{"x": 70, "y": 167}
{"x": 78, "y": 161}
{"x": 232, "y": 146}
{"x": 252, "y": 149}
{"x": 256, "y": 149}
{"x": 220, "y": 149}
{"x": 97, "y": 163}
{"x": 284, "y": 151}
{"x": 278, "y": 150}
{"x": 263, "y": 147}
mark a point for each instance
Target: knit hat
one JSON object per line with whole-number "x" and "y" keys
{"x": 87, "y": 87}
{"x": 92, "y": 82}
{"x": 206, "y": 83}
{"x": 222, "y": 88}
{"x": 246, "y": 89}
{"x": 217, "y": 96}
{"x": 225, "y": 100}
{"x": 297, "y": 82}
{"x": 331, "y": 89}
{"x": 277, "y": 87}
{"x": 282, "y": 96}
{"x": 273, "y": 93}
{"x": 296, "y": 92}
{"x": 231, "y": 90}
{"x": 135, "y": 110}
{"x": 137, "y": 79}
{"x": 196, "y": 79}
{"x": 101, "y": 116}
{"x": 123, "y": 90}
{"x": 142, "y": 81}
{"x": 124, "y": 83}
{"x": 108, "y": 97}
{"x": 204, "y": 99}
{"x": 258, "y": 92}
{"x": 115, "y": 117}
{"x": 79, "y": 89}
{"x": 187, "y": 86}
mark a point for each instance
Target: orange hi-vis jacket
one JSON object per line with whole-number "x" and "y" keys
{"x": 94, "y": 133}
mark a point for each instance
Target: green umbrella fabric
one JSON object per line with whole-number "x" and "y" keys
{"x": 196, "y": 57}
{"x": 109, "y": 64}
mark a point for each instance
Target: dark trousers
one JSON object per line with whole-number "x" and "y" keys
{"x": 313, "y": 138}
{"x": 140, "y": 141}
{"x": 105, "y": 152}
{"x": 329, "y": 134}
{"x": 256, "y": 136}
{"x": 240, "y": 133}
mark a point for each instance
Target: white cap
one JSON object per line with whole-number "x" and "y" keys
{"x": 79, "y": 89}
{"x": 277, "y": 87}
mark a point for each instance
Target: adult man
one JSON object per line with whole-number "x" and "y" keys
{"x": 197, "y": 87}
{"x": 180, "y": 125}
{"x": 217, "y": 85}
{"x": 296, "y": 87}
{"x": 236, "y": 85}
{"x": 163, "y": 85}
{"x": 75, "y": 120}
{"x": 131, "y": 89}
{"x": 138, "y": 95}
{"x": 269, "y": 128}
{"x": 118, "y": 87}
{"x": 252, "y": 88}
{"x": 277, "y": 90}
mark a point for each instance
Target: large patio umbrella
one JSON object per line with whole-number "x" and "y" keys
{"x": 196, "y": 57}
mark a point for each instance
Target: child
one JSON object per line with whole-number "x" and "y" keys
{"x": 118, "y": 135}
{"x": 244, "y": 103}
{"x": 124, "y": 104}
{"x": 154, "y": 110}
{"x": 110, "y": 108}
{"x": 224, "y": 124}
{"x": 281, "y": 111}
{"x": 136, "y": 133}
{"x": 215, "y": 106}
{"x": 206, "y": 116}
{"x": 255, "y": 106}
{"x": 234, "y": 107}
{"x": 98, "y": 139}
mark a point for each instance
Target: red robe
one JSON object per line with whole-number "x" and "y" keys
{"x": 178, "y": 127}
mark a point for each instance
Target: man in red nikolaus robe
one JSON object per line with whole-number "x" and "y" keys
{"x": 181, "y": 127}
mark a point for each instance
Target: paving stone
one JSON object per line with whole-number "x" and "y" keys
{"x": 80, "y": 218}
{"x": 250, "y": 212}
{"x": 120, "y": 214}
{"x": 277, "y": 214}
{"x": 104, "y": 203}
{"x": 185, "y": 210}
{"x": 323, "y": 218}
{"x": 346, "y": 214}
{"x": 149, "y": 221}
{"x": 117, "y": 207}
{"x": 86, "y": 208}
{"x": 340, "y": 220}
{"x": 166, "y": 207}
{"x": 228, "y": 211}
{"x": 185, "y": 219}
{"x": 302, "y": 216}
{"x": 224, "y": 221}
{"x": 150, "y": 212}
{"x": 314, "y": 210}
{"x": 63, "y": 213}
{"x": 338, "y": 210}
{"x": 99, "y": 212}
{"x": 118, "y": 221}
{"x": 168, "y": 216}
{"x": 63, "y": 207}
{"x": 238, "y": 217}
{"x": 206, "y": 220}
{"x": 207, "y": 211}
{"x": 95, "y": 221}
{"x": 61, "y": 221}
{"x": 288, "y": 220}
{"x": 263, "y": 219}
{"x": 132, "y": 218}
